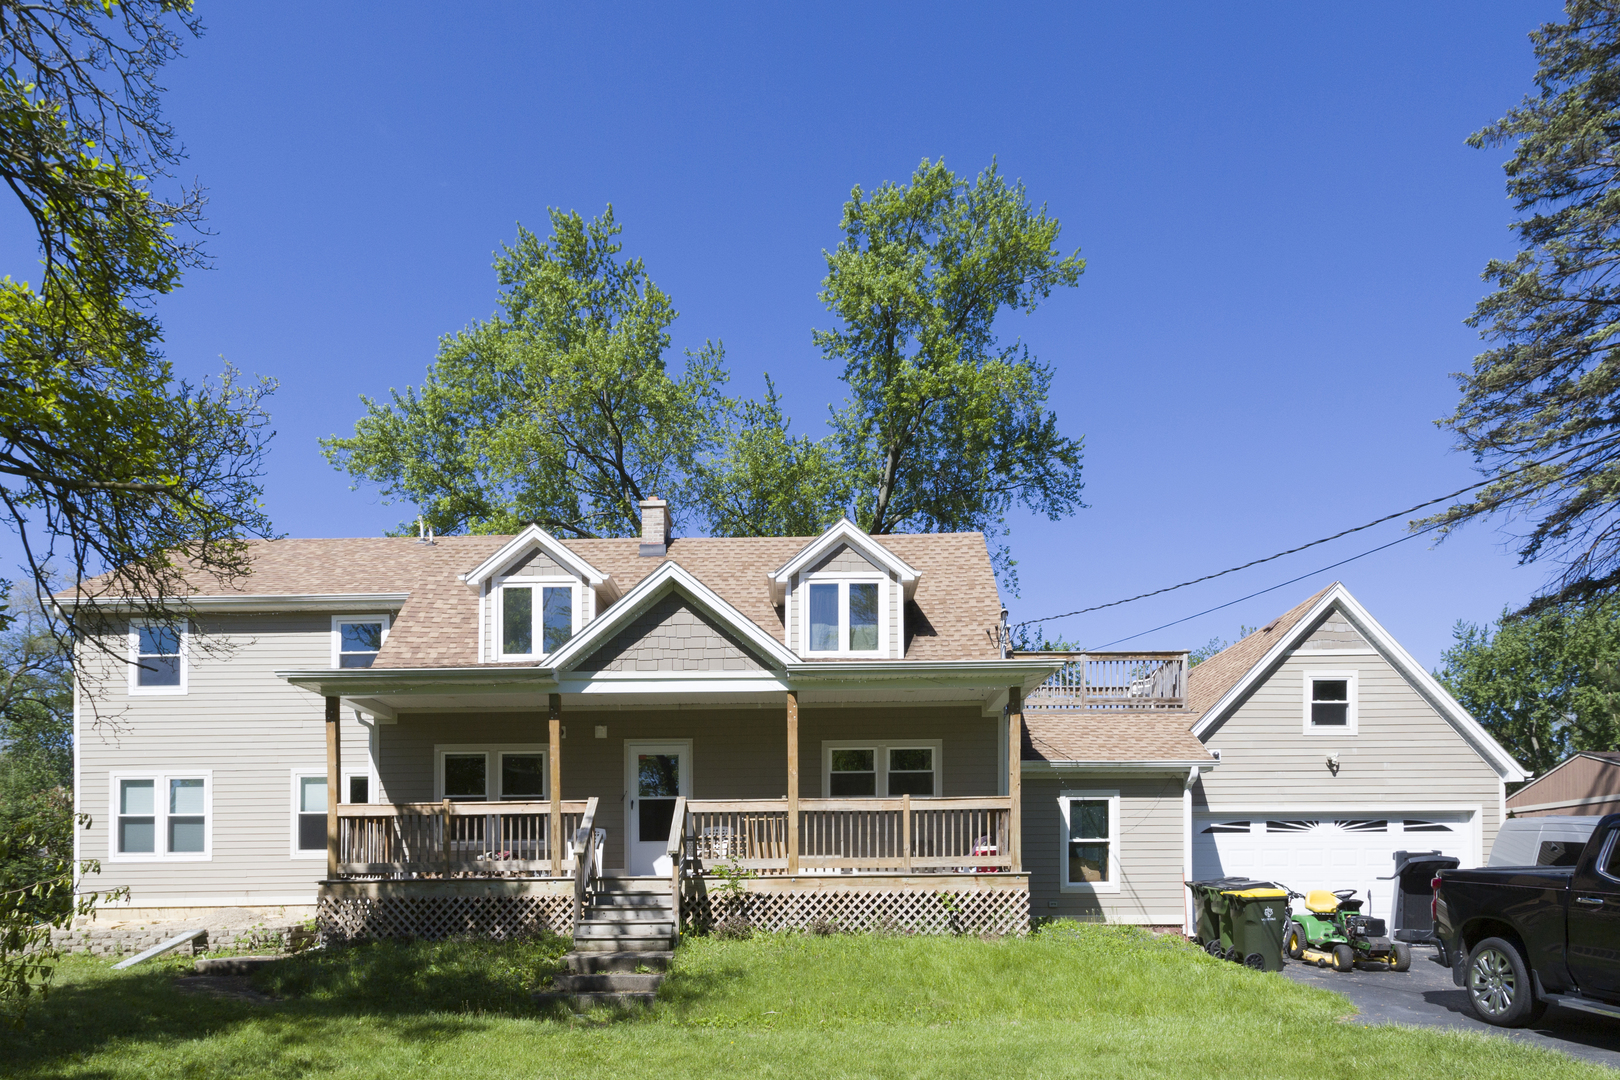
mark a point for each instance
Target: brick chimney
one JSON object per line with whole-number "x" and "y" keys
{"x": 654, "y": 527}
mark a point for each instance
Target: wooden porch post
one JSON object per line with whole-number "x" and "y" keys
{"x": 334, "y": 782}
{"x": 793, "y": 781}
{"x": 554, "y": 766}
{"x": 1015, "y": 750}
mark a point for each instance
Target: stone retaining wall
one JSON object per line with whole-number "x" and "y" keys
{"x": 127, "y": 941}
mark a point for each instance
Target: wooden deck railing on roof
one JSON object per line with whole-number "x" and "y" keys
{"x": 835, "y": 835}
{"x": 451, "y": 838}
{"x": 1111, "y": 680}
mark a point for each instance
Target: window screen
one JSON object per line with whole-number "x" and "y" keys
{"x": 1088, "y": 840}
{"x": 187, "y": 831}
{"x": 137, "y": 819}
{"x": 863, "y": 616}
{"x": 312, "y": 813}
{"x": 517, "y": 621}
{"x": 158, "y": 656}
{"x": 911, "y": 771}
{"x": 1330, "y": 702}
{"x": 465, "y": 776}
{"x": 853, "y": 774}
{"x": 558, "y": 617}
{"x": 358, "y": 643}
{"x": 824, "y": 618}
{"x": 523, "y": 776}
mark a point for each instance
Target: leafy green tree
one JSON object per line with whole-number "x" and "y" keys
{"x": 946, "y": 428}
{"x": 105, "y": 459}
{"x": 1540, "y": 411}
{"x": 557, "y": 410}
{"x": 1543, "y": 685}
{"x": 764, "y": 482}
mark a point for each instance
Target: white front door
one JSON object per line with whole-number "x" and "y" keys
{"x": 656, "y": 773}
{"x": 1321, "y": 851}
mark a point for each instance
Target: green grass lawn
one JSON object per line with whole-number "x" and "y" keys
{"x": 1072, "y": 1001}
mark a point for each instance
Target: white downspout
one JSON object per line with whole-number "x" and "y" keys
{"x": 1187, "y": 849}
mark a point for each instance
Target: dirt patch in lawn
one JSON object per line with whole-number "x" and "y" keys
{"x": 227, "y": 987}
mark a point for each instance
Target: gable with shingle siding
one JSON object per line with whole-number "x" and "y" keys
{"x": 672, "y": 635}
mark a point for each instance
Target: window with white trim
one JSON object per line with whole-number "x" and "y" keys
{"x": 492, "y": 773}
{"x": 309, "y": 813}
{"x": 881, "y": 770}
{"x": 1330, "y": 703}
{"x": 845, "y": 616}
{"x": 161, "y": 816}
{"x": 535, "y": 618}
{"x": 1090, "y": 838}
{"x": 357, "y": 639}
{"x": 157, "y": 658}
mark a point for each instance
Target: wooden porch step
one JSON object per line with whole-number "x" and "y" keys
{"x": 606, "y": 928}
{"x": 632, "y": 899}
{"x": 633, "y": 885}
{"x": 628, "y": 913}
{"x": 593, "y": 962}
{"x": 638, "y": 945}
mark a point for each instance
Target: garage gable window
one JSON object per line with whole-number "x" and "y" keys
{"x": 1090, "y": 837}
{"x": 1330, "y": 703}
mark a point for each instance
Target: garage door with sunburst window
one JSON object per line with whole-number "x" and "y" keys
{"x": 1320, "y": 852}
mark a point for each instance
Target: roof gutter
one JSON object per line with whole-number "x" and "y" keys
{"x": 345, "y": 603}
{"x": 1058, "y": 767}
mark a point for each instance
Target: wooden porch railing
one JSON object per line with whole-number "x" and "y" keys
{"x": 1118, "y": 680}
{"x": 904, "y": 834}
{"x": 410, "y": 839}
{"x": 587, "y": 860}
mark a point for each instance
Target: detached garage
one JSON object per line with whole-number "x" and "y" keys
{"x": 1330, "y": 851}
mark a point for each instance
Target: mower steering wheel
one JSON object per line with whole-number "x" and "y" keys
{"x": 1345, "y": 894}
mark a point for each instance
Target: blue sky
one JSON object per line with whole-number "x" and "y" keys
{"x": 1283, "y": 227}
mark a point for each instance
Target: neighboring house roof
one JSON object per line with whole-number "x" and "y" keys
{"x": 1588, "y": 778}
{"x": 950, "y": 617}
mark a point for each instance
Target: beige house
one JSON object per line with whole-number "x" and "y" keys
{"x": 1584, "y": 784}
{"x": 471, "y": 734}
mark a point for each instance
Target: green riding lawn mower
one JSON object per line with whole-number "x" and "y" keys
{"x": 1332, "y": 932}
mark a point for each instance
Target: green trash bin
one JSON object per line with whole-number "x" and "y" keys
{"x": 1210, "y": 904}
{"x": 1253, "y": 924}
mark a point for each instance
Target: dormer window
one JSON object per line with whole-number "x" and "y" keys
{"x": 844, "y": 617}
{"x": 532, "y": 614}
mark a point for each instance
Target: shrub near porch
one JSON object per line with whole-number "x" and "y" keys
{"x": 1070, "y": 1001}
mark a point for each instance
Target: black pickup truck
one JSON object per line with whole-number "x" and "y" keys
{"x": 1519, "y": 937}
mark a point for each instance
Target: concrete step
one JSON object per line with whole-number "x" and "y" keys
{"x": 590, "y": 963}
{"x": 624, "y": 944}
{"x": 585, "y": 1000}
{"x": 596, "y": 927}
{"x": 234, "y": 965}
{"x": 617, "y": 982}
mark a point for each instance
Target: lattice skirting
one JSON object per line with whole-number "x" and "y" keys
{"x": 499, "y": 917}
{"x": 899, "y": 910}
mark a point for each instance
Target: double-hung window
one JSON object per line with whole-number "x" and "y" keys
{"x": 535, "y": 619}
{"x": 157, "y": 658}
{"x": 356, "y": 640}
{"x": 309, "y": 818}
{"x": 877, "y": 770}
{"x": 844, "y": 617}
{"x": 161, "y": 816}
{"x": 1090, "y": 832}
{"x": 491, "y": 773}
{"x": 1330, "y": 702}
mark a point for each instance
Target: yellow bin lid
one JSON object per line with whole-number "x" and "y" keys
{"x": 1261, "y": 894}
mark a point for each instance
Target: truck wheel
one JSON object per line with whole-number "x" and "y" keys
{"x": 1498, "y": 983}
{"x": 1344, "y": 958}
{"x": 1294, "y": 941}
{"x": 1400, "y": 956}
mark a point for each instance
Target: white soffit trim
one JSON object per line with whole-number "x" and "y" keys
{"x": 1391, "y": 650}
{"x": 669, "y": 577}
{"x": 845, "y": 531}
{"x": 535, "y": 535}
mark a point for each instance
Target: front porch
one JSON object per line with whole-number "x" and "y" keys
{"x": 947, "y": 860}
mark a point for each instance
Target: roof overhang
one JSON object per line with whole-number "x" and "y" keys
{"x": 535, "y": 536}
{"x": 844, "y": 531}
{"x": 341, "y": 603}
{"x": 1427, "y": 686}
{"x": 1178, "y": 768}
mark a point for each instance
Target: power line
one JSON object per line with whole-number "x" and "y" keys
{"x": 1272, "y": 588}
{"x": 1270, "y": 558}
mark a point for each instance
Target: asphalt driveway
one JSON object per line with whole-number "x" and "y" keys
{"x": 1425, "y": 995}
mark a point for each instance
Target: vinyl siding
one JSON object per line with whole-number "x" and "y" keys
{"x": 1405, "y": 754}
{"x": 237, "y": 721}
{"x": 736, "y": 753}
{"x": 1149, "y": 850}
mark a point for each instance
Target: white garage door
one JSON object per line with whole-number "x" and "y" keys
{"x": 1349, "y": 852}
